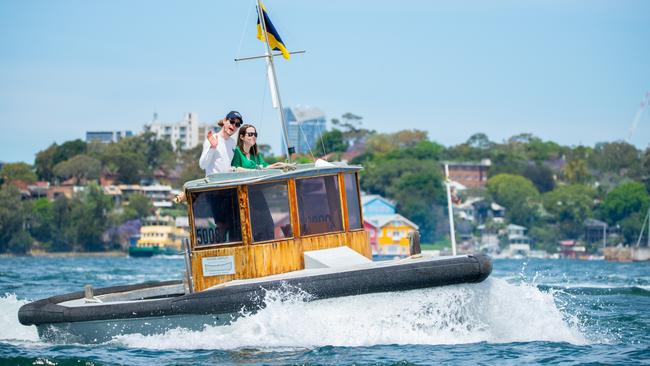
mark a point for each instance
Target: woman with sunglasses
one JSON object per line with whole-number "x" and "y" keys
{"x": 246, "y": 155}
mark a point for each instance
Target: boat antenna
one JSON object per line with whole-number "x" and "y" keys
{"x": 450, "y": 211}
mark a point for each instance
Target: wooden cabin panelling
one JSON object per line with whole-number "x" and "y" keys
{"x": 253, "y": 260}
{"x": 287, "y": 255}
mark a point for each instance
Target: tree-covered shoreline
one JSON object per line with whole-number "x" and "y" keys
{"x": 549, "y": 188}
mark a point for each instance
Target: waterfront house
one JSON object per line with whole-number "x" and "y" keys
{"x": 389, "y": 234}
{"x": 596, "y": 231}
{"x": 376, "y": 205}
{"x": 114, "y": 192}
{"x": 469, "y": 174}
{"x": 159, "y": 195}
{"x": 571, "y": 249}
{"x": 517, "y": 234}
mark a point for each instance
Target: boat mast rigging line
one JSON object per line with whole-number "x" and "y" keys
{"x": 243, "y": 33}
{"x": 272, "y": 78}
{"x": 645, "y": 221}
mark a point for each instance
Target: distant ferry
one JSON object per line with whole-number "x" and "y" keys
{"x": 158, "y": 235}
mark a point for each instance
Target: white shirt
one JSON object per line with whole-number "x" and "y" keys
{"x": 217, "y": 160}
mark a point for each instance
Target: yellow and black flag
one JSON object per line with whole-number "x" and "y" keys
{"x": 275, "y": 42}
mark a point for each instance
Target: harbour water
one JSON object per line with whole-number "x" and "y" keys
{"x": 528, "y": 312}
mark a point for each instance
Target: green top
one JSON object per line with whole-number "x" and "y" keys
{"x": 240, "y": 160}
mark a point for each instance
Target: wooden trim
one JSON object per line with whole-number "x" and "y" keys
{"x": 272, "y": 240}
{"x": 293, "y": 208}
{"x": 356, "y": 174}
{"x": 325, "y": 233}
{"x": 190, "y": 216}
{"x": 244, "y": 215}
{"x": 343, "y": 202}
{"x": 220, "y": 245}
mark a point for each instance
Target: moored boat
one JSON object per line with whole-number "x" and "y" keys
{"x": 158, "y": 235}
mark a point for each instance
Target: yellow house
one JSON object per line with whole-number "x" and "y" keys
{"x": 389, "y": 234}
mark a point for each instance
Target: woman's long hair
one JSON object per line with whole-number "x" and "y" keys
{"x": 240, "y": 139}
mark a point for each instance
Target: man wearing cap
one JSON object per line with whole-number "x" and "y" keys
{"x": 218, "y": 147}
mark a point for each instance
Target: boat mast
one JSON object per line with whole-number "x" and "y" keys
{"x": 273, "y": 81}
{"x": 450, "y": 211}
{"x": 646, "y": 220}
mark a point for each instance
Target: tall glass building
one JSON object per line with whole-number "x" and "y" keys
{"x": 305, "y": 126}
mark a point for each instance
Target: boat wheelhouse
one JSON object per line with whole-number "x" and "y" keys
{"x": 259, "y": 223}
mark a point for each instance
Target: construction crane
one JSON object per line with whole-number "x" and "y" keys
{"x": 637, "y": 117}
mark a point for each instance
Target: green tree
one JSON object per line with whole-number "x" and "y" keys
{"x": 67, "y": 150}
{"x": 351, "y": 128}
{"x": 44, "y": 163}
{"x": 575, "y": 171}
{"x": 157, "y": 154}
{"x": 541, "y": 176}
{"x": 139, "y": 206}
{"x": 423, "y": 150}
{"x": 13, "y": 222}
{"x": 20, "y": 243}
{"x": 63, "y": 235}
{"x": 517, "y": 194}
{"x": 645, "y": 175}
{"x": 479, "y": 141}
{"x": 618, "y": 157}
{"x": 11, "y": 172}
{"x": 130, "y": 166}
{"x": 626, "y": 205}
{"x": 333, "y": 141}
{"x": 416, "y": 193}
{"x": 623, "y": 201}
{"x": 82, "y": 167}
{"x": 570, "y": 206}
{"x": 90, "y": 215}
{"x": 42, "y": 220}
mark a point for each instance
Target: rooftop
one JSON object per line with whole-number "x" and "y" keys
{"x": 222, "y": 180}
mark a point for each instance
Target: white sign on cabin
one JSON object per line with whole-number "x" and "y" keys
{"x": 216, "y": 266}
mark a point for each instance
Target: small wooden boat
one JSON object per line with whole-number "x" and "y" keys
{"x": 253, "y": 232}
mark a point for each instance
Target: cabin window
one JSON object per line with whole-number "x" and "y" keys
{"x": 269, "y": 211}
{"x": 216, "y": 217}
{"x": 352, "y": 200}
{"x": 319, "y": 205}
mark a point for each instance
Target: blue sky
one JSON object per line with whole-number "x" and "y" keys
{"x": 569, "y": 71}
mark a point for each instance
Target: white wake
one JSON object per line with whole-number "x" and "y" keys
{"x": 494, "y": 311}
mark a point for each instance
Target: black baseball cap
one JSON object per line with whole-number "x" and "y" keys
{"x": 233, "y": 115}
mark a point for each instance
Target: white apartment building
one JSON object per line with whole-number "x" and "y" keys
{"x": 186, "y": 134}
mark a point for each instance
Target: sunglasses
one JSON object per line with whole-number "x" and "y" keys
{"x": 251, "y": 134}
{"x": 237, "y": 124}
